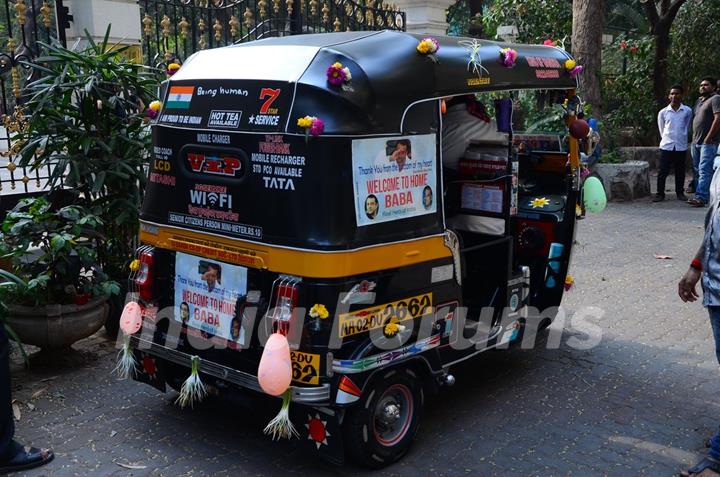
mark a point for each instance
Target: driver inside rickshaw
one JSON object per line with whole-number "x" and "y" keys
{"x": 465, "y": 120}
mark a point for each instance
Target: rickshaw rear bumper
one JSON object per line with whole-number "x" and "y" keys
{"x": 313, "y": 396}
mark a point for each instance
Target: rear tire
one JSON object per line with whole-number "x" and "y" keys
{"x": 379, "y": 429}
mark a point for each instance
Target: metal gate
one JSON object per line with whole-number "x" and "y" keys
{"x": 174, "y": 29}
{"x": 23, "y": 23}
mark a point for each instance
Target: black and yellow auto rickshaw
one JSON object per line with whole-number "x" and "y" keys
{"x": 297, "y": 186}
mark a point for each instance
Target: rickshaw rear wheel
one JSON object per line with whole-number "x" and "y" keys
{"x": 380, "y": 428}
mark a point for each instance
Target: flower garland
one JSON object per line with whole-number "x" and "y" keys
{"x": 337, "y": 74}
{"x": 153, "y": 109}
{"x": 319, "y": 311}
{"x": 573, "y": 68}
{"x": 428, "y": 46}
{"x": 508, "y": 56}
{"x": 172, "y": 68}
{"x": 313, "y": 126}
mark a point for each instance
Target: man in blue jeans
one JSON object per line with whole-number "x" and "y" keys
{"x": 706, "y": 265}
{"x": 706, "y": 129}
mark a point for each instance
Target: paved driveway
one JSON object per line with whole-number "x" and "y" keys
{"x": 640, "y": 403}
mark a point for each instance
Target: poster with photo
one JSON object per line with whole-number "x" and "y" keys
{"x": 394, "y": 178}
{"x": 206, "y": 292}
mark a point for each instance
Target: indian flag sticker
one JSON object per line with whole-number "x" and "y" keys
{"x": 180, "y": 97}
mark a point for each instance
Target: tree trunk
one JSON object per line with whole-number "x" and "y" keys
{"x": 660, "y": 68}
{"x": 587, "y": 26}
{"x": 661, "y": 22}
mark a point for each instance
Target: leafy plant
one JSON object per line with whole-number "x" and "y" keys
{"x": 53, "y": 254}
{"x": 612, "y": 157}
{"x": 536, "y": 20}
{"x": 8, "y": 283}
{"x": 689, "y": 49}
{"x": 627, "y": 95}
{"x": 85, "y": 119}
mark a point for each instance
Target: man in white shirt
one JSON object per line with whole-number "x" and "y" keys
{"x": 673, "y": 123}
{"x": 464, "y": 120}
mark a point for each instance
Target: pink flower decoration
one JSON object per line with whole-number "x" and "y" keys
{"x": 336, "y": 75}
{"x": 576, "y": 71}
{"x": 435, "y": 45}
{"x": 549, "y": 42}
{"x": 509, "y": 56}
{"x": 317, "y": 127}
{"x": 151, "y": 113}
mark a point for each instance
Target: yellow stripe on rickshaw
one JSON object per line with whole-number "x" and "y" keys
{"x": 303, "y": 263}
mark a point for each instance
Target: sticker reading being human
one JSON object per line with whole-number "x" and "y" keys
{"x": 394, "y": 178}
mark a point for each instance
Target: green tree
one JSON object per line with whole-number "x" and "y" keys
{"x": 695, "y": 43}
{"x": 85, "y": 121}
{"x": 661, "y": 14}
{"x": 536, "y": 20}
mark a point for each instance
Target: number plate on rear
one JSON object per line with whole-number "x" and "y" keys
{"x": 305, "y": 367}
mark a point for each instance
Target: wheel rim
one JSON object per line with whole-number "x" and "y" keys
{"x": 392, "y": 416}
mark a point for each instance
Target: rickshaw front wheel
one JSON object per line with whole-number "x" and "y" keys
{"x": 380, "y": 428}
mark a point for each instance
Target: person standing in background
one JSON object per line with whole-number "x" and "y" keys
{"x": 673, "y": 123}
{"x": 706, "y": 126}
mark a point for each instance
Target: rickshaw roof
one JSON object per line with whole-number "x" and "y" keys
{"x": 388, "y": 73}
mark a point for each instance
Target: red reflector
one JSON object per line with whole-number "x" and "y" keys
{"x": 349, "y": 387}
{"x": 286, "y": 301}
{"x": 145, "y": 276}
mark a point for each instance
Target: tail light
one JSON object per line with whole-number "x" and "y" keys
{"x": 145, "y": 275}
{"x": 286, "y": 300}
{"x": 348, "y": 392}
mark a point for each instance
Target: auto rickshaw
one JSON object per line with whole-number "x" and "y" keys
{"x": 297, "y": 186}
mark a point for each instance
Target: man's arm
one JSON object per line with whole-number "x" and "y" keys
{"x": 661, "y": 122}
{"x": 715, "y": 128}
{"x": 686, "y": 286}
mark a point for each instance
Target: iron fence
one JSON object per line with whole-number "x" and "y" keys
{"x": 174, "y": 29}
{"x": 23, "y": 25}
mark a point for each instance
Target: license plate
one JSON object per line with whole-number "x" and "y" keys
{"x": 305, "y": 367}
{"x": 206, "y": 293}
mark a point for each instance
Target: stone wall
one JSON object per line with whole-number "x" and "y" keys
{"x": 651, "y": 155}
{"x": 625, "y": 181}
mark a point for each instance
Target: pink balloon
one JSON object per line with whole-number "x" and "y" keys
{"x": 131, "y": 318}
{"x": 275, "y": 369}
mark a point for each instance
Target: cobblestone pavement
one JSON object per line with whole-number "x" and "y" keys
{"x": 642, "y": 402}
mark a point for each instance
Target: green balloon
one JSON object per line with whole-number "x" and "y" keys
{"x": 594, "y": 197}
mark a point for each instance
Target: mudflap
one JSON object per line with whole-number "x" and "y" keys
{"x": 149, "y": 370}
{"x": 320, "y": 431}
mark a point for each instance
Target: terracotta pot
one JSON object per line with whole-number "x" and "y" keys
{"x": 57, "y": 326}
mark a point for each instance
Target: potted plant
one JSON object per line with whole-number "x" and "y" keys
{"x": 61, "y": 292}
{"x": 85, "y": 117}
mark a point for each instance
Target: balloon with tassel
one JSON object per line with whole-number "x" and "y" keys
{"x": 193, "y": 390}
{"x": 274, "y": 376}
{"x": 130, "y": 323}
